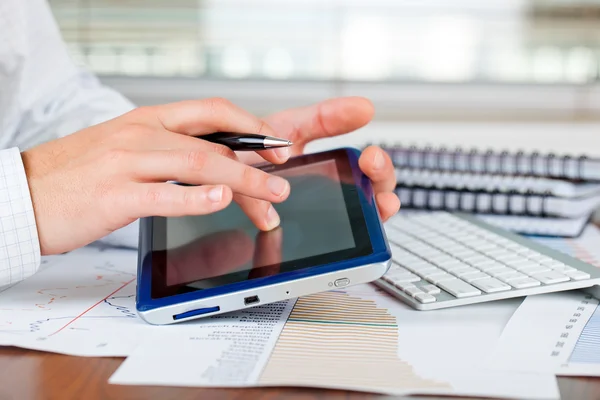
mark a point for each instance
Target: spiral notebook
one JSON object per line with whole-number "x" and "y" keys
{"x": 491, "y": 162}
{"x": 494, "y": 183}
{"x": 531, "y": 204}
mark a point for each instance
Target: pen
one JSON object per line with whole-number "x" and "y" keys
{"x": 245, "y": 141}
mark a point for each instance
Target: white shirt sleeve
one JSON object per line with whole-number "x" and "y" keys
{"x": 19, "y": 243}
{"x": 43, "y": 96}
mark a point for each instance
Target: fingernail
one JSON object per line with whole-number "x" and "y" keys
{"x": 378, "y": 161}
{"x": 283, "y": 153}
{"x": 273, "y": 220}
{"x": 215, "y": 194}
{"x": 277, "y": 185}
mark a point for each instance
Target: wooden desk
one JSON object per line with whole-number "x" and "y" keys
{"x": 27, "y": 374}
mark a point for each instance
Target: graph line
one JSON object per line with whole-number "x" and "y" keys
{"x": 92, "y": 307}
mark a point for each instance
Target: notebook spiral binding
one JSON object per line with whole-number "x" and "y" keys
{"x": 459, "y": 180}
{"x": 485, "y": 202}
{"x": 521, "y": 163}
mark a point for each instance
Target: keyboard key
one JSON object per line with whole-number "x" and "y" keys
{"x": 520, "y": 263}
{"x": 550, "y": 277}
{"x": 473, "y": 271}
{"x": 563, "y": 268}
{"x": 441, "y": 259}
{"x": 488, "y": 268}
{"x": 436, "y": 279}
{"x": 404, "y": 285}
{"x": 512, "y": 276}
{"x": 431, "y": 272}
{"x": 430, "y": 289}
{"x": 475, "y": 276}
{"x": 498, "y": 253}
{"x": 484, "y": 261}
{"x": 552, "y": 264}
{"x": 465, "y": 254}
{"x": 523, "y": 283}
{"x": 533, "y": 269}
{"x": 457, "y": 267}
{"x": 458, "y": 288}
{"x": 465, "y": 270}
{"x": 420, "y": 266}
{"x": 399, "y": 274}
{"x": 491, "y": 285}
{"x": 405, "y": 279}
{"x": 500, "y": 271}
{"x": 509, "y": 258}
{"x": 539, "y": 257}
{"x": 577, "y": 275}
{"x": 413, "y": 291}
{"x": 425, "y": 298}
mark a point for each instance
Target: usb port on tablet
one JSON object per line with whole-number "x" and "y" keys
{"x": 251, "y": 300}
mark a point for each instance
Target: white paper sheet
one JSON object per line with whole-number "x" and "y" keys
{"x": 360, "y": 339}
{"x": 559, "y": 332}
{"x": 81, "y": 303}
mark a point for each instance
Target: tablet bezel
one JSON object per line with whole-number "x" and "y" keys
{"x": 379, "y": 252}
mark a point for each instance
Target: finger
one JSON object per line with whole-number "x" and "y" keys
{"x": 267, "y": 253}
{"x": 174, "y": 141}
{"x": 197, "y": 167}
{"x": 200, "y": 117}
{"x": 388, "y": 204}
{"x": 328, "y": 118}
{"x": 377, "y": 165}
{"x": 213, "y": 255}
{"x": 171, "y": 200}
{"x": 262, "y": 213}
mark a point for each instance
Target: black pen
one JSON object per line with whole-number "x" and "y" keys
{"x": 245, "y": 141}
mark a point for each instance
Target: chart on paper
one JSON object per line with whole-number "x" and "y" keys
{"x": 557, "y": 332}
{"x": 324, "y": 340}
{"x": 74, "y": 304}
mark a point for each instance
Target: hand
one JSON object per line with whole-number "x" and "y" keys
{"x": 331, "y": 118}
{"x": 102, "y": 178}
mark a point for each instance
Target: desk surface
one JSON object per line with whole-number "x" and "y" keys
{"x": 27, "y": 374}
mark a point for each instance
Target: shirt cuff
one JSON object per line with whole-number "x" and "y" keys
{"x": 19, "y": 242}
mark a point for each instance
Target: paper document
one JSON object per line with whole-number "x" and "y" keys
{"x": 558, "y": 332}
{"x": 81, "y": 303}
{"x": 358, "y": 339}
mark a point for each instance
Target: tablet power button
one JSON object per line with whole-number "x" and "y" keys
{"x": 342, "y": 282}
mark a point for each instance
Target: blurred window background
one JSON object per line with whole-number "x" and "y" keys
{"x": 413, "y": 58}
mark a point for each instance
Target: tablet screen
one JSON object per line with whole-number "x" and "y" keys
{"x": 321, "y": 222}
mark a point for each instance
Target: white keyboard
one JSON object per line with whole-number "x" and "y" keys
{"x": 443, "y": 260}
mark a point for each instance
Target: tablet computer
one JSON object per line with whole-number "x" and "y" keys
{"x": 330, "y": 237}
